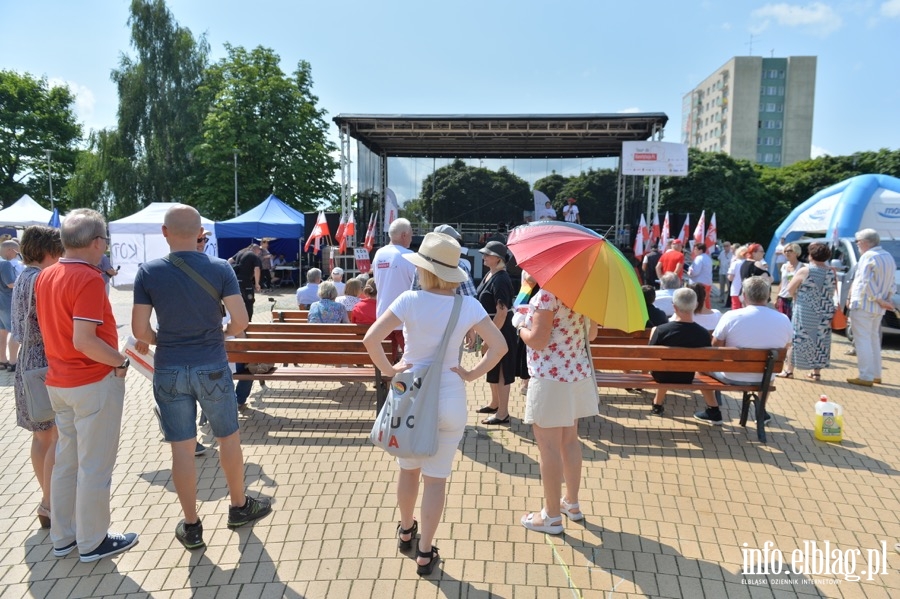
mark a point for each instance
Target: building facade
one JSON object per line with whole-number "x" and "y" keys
{"x": 758, "y": 109}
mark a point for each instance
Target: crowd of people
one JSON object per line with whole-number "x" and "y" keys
{"x": 59, "y": 312}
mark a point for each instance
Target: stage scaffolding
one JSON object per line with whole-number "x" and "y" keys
{"x": 380, "y": 137}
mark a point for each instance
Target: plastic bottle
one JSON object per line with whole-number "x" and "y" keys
{"x": 829, "y": 425}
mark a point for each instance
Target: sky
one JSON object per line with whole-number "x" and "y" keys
{"x": 498, "y": 57}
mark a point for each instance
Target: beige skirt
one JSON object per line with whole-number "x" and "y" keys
{"x": 551, "y": 404}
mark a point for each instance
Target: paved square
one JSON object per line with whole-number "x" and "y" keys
{"x": 674, "y": 508}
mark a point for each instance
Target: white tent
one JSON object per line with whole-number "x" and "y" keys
{"x": 138, "y": 238}
{"x": 24, "y": 213}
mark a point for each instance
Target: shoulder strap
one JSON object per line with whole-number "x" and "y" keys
{"x": 180, "y": 263}
{"x": 454, "y": 318}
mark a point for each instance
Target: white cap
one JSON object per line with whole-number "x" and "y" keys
{"x": 338, "y": 271}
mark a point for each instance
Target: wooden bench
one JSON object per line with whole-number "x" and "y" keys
{"x": 633, "y": 364}
{"x": 290, "y": 315}
{"x": 290, "y": 330}
{"x": 332, "y": 360}
{"x": 617, "y": 337}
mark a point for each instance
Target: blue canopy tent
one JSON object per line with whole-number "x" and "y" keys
{"x": 271, "y": 218}
{"x": 865, "y": 201}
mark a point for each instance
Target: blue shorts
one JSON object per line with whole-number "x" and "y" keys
{"x": 178, "y": 390}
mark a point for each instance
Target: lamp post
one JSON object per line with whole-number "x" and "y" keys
{"x": 236, "y": 209}
{"x": 49, "y": 178}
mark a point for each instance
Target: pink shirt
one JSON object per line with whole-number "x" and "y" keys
{"x": 565, "y": 358}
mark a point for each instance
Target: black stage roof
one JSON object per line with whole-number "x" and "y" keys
{"x": 501, "y": 136}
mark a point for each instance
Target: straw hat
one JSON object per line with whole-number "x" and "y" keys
{"x": 439, "y": 254}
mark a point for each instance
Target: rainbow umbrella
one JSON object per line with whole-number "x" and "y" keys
{"x": 584, "y": 270}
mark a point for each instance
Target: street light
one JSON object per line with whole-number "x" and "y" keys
{"x": 236, "y": 209}
{"x": 49, "y": 177}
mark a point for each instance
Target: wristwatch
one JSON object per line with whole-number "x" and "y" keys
{"x": 125, "y": 364}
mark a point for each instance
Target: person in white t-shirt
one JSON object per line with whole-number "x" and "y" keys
{"x": 570, "y": 212}
{"x": 547, "y": 212}
{"x": 393, "y": 275}
{"x": 424, "y": 315}
{"x": 754, "y": 327}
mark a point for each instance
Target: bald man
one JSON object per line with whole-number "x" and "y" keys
{"x": 187, "y": 288}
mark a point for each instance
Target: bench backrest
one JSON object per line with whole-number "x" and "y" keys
{"x": 682, "y": 359}
{"x": 347, "y": 352}
{"x": 290, "y": 315}
{"x": 282, "y": 330}
{"x": 617, "y": 337}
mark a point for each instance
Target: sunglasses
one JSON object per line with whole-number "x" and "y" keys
{"x": 202, "y": 239}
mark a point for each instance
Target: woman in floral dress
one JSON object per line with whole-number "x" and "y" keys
{"x": 326, "y": 310}
{"x": 562, "y": 390}
{"x": 40, "y": 248}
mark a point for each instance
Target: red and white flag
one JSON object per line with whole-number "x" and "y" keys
{"x": 641, "y": 239}
{"x": 664, "y": 236}
{"x": 685, "y": 233}
{"x": 349, "y": 232}
{"x": 654, "y": 230}
{"x": 318, "y": 232}
{"x": 340, "y": 232}
{"x": 369, "y": 242}
{"x": 712, "y": 235}
{"x": 700, "y": 229}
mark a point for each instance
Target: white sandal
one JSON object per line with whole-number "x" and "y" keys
{"x": 551, "y": 526}
{"x": 569, "y": 510}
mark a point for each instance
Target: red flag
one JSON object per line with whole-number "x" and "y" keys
{"x": 654, "y": 230}
{"x": 349, "y": 232}
{"x": 318, "y": 232}
{"x": 641, "y": 239}
{"x": 340, "y": 232}
{"x": 369, "y": 242}
{"x": 664, "y": 236}
{"x": 712, "y": 235}
{"x": 700, "y": 229}
{"x": 685, "y": 232}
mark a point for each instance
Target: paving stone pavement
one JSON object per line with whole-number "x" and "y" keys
{"x": 673, "y": 507}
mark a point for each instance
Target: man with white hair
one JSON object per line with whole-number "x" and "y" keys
{"x": 309, "y": 293}
{"x": 870, "y": 295}
{"x": 668, "y": 283}
{"x": 393, "y": 275}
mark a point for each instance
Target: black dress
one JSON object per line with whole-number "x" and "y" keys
{"x": 493, "y": 289}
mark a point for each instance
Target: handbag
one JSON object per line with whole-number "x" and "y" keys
{"x": 407, "y": 425}
{"x": 34, "y": 381}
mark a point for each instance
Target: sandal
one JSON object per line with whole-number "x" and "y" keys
{"x": 43, "y": 515}
{"x": 495, "y": 420}
{"x": 412, "y": 530}
{"x": 571, "y": 510}
{"x": 429, "y": 567}
{"x": 486, "y": 410}
{"x": 813, "y": 376}
{"x": 785, "y": 375}
{"x": 551, "y": 526}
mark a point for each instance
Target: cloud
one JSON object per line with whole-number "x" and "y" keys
{"x": 629, "y": 110}
{"x": 84, "y": 98}
{"x": 726, "y": 26}
{"x": 816, "y": 17}
{"x": 890, "y": 9}
{"x": 817, "y": 151}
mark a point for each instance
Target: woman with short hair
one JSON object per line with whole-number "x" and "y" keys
{"x": 326, "y": 310}
{"x": 350, "y": 296}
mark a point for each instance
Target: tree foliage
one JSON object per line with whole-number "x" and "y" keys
{"x": 35, "y": 117}
{"x": 159, "y": 114}
{"x": 278, "y": 131}
{"x": 461, "y": 193}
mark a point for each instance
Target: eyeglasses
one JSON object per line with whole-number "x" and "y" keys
{"x": 202, "y": 239}
{"x": 788, "y": 251}
{"x": 106, "y": 239}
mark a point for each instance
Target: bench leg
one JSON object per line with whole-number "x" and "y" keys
{"x": 745, "y": 408}
{"x": 761, "y": 418}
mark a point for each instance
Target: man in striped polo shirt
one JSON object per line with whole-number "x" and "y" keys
{"x": 870, "y": 295}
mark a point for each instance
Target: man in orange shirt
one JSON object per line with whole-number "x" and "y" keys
{"x": 86, "y": 383}
{"x": 671, "y": 261}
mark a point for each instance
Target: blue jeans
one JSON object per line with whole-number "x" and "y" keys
{"x": 178, "y": 390}
{"x": 242, "y": 388}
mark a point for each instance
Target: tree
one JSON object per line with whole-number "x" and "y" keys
{"x": 159, "y": 113}
{"x": 460, "y": 193}
{"x": 595, "y": 193}
{"x": 34, "y": 117}
{"x": 273, "y": 123}
{"x": 552, "y": 187}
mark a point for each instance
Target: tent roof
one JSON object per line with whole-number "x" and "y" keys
{"x": 500, "y": 135}
{"x": 24, "y": 213}
{"x": 148, "y": 220}
{"x": 271, "y": 218}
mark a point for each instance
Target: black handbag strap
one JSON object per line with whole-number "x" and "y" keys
{"x": 180, "y": 263}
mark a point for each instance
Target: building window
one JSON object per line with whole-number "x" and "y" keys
{"x": 777, "y": 141}
{"x": 779, "y": 107}
{"x": 781, "y": 91}
{"x": 770, "y": 107}
{"x": 767, "y": 157}
{"x": 759, "y": 141}
{"x": 770, "y": 141}
{"x": 759, "y": 157}
{"x": 778, "y": 124}
{"x": 772, "y": 90}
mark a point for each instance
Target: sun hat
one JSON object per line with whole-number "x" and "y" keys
{"x": 439, "y": 255}
{"x": 495, "y": 248}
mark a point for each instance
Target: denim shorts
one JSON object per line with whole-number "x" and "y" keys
{"x": 178, "y": 390}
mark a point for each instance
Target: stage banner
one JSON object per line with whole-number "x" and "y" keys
{"x": 654, "y": 158}
{"x": 363, "y": 263}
